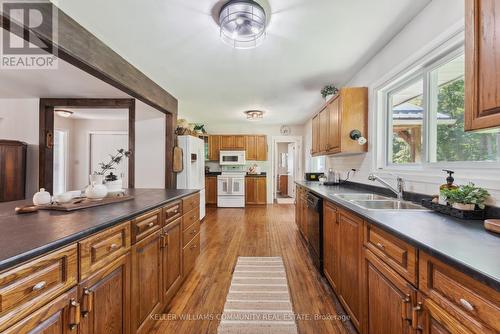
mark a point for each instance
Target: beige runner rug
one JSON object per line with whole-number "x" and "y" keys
{"x": 258, "y": 301}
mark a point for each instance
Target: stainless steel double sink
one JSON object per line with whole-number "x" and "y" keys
{"x": 379, "y": 202}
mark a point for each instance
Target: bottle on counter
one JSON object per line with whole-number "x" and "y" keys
{"x": 448, "y": 185}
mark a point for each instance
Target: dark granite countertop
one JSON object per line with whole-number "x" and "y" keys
{"x": 465, "y": 245}
{"x": 23, "y": 237}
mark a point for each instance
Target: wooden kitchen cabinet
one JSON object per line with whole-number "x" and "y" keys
{"x": 261, "y": 148}
{"x": 213, "y": 147}
{"x": 301, "y": 211}
{"x": 171, "y": 244}
{"x": 146, "y": 281}
{"x": 283, "y": 185}
{"x": 105, "y": 299}
{"x": 350, "y": 261}
{"x": 60, "y": 316}
{"x": 331, "y": 254}
{"x": 255, "y": 190}
{"x": 389, "y": 299}
{"x": 482, "y": 61}
{"x": 211, "y": 190}
{"x": 315, "y": 149}
{"x": 332, "y": 126}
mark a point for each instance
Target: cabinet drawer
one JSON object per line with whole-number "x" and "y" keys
{"x": 25, "y": 288}
{"x": 191, "y": 202}
{"x": 102, "y": 248}
{"x": 172, "y": 211}
{"x": 190, "y": 232}
{"x": 146, "y": 224}
{"x": 190, "y": 254}
{"x": 190, "y": 218}
{"x": 472, "y": 303}
{"x": 398, "y": 254}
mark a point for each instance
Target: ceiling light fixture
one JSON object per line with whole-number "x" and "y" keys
{"x": 254, "y": 115}
{"x": 63, "y": 113}
{"x": 242, "y": 23}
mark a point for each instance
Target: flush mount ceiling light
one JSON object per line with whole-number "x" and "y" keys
{"x": 63, "y": 113}
{"x": 242, "y": 24}
{"x": 254, "y": 115}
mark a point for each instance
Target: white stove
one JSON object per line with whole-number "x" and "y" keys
{"x": 231, "y": 187}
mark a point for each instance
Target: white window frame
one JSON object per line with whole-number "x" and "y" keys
{"x": 423, "y": 72}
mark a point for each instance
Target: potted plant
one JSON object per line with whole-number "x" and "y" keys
{"x": 329, "y": 91}
{"x": 466, "y": 197}
{"x": 113, "y": 183}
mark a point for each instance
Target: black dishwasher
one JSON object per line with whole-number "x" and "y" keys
{"x": 315, "y": 229}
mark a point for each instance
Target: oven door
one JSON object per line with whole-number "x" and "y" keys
{"x": 223, "y": 186}
{"x": 238, "y": 186}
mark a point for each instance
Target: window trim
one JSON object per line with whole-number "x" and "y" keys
{"x": 420, "y": 71}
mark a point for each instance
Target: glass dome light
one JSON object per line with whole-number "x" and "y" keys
{"x": 242, "y": 24}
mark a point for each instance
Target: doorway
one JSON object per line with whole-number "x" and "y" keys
{"x": 286, "y": 158}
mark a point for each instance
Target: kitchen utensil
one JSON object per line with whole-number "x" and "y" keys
{"x": 492, "y": 225}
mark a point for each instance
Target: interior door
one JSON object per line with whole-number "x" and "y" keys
{"x": 102, "y": 145}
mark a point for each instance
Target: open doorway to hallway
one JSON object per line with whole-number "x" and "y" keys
{"x": 286, "y": 168}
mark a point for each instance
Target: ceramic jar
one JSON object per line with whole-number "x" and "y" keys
{"x": 96, "y": 189}
{"x": 42, "y": 197}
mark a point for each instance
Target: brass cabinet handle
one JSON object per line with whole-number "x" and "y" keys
{"x": 404, "y": 307}
{"x": 466, "y": 305}
{"x": 113, "y": 246}
{"x": 74, "y": 314}
{"x": 193, "y": 246}
{"x": 193, "y": 231}
{"x": 414, "y": 316}
{"x": 39, "y": 286}
{"x": 151, "y": 224}
{"x": 379, "y": 245}
{"x": 88, "y": 296}
{"x": 164, "y": 240}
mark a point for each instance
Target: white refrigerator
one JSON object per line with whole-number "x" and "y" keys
{"x": 193, "y": 162}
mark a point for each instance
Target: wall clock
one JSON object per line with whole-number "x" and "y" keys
{"x": 285, "y": 130}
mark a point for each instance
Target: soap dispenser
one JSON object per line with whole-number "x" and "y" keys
{"x": 448, "y": 185}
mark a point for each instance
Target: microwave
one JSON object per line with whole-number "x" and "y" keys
{"x": 232, "y": 158}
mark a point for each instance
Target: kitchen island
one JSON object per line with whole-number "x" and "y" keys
{"x": 406, "y": 270}
{"x": 85, "y": 267}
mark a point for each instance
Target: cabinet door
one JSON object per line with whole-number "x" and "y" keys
{"x": 226, "y": 142}
{"x": 171, "y": 259}
{"x": 261, "y": 145}
{"x": 333, "y": 144}
{"x": 146, "y": 281}
{"x": 211, "y": 190}
{"x": 239, "y": 143}
{"x": 323, "y": 130}
{"x": 389, "y": 299}
{"x": 482, "y": 61}
{"x": 213, "y": 148}
{"x": 60, "y": 316}
{"x": 251, "y": 147}
{"x": 105, "y": 299}
{"x": 261, "y": 190}
{"x": 303, "y": 213}
{"x": 350, "y": 246}
{"x": 315, "y": 135}
{"x": 250, "y": 190}
{"x": 331, "y": 244}
{"x": 434, "y": 320}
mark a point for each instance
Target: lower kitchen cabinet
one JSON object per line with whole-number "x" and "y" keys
{"x": 211, "y": 190}
{"x": 349, "y": 254}
{"x": 301, "y": 211}
{"x": 171, "y": 259}
{"x": 331, "y": 244}
{"x": 60, "y": 316}
{"x": 255, "y": 190}
{"x": 146, "y": 281}
{"x": 389, "y": 299}
{"x": 105, "y": 299}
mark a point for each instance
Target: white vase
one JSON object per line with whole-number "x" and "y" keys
{"x": 464, "y": 207}
{"x": 328, "y": 97}
{"x": 114, "y": 186}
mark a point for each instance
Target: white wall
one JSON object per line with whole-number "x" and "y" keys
{"x": 149, "y": 147}
{"x": 256, "y": 129}
{"x": 439, "y": 21}
{"x": 19, "y": 121}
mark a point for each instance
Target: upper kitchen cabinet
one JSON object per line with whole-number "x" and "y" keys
{"x": 213, "y": 148}
{"x": 482, "y": 68}
{"x": 332, "y": 126}
{"x": 232, "y": 142}
{"x": 255, "y": 146}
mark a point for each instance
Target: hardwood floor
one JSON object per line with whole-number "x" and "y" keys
{"x": 253, "y": 231}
